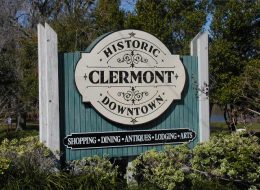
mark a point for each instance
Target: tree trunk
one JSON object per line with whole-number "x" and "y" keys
{"x": 18, "y": 122}
{"x": 21, "y": 121}
{"x": 210, "y": 109}
{"x": 230, "y": 117}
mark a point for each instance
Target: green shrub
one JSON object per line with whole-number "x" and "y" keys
{"x": 232, "y": 158}
{"x": 224, "y": 162}
{"x": 28, "y": 164}
{"x": 163, "y": 170}
{"x": 4, "y": 165}
{"x": 201, "y": 182}
{"x": 95, "y": 173}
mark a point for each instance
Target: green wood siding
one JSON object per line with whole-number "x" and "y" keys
{"x": 79, "y": 117}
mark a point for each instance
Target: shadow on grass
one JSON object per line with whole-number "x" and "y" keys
{"x": 218, "y": 127}
{"x": 32, "y": 129}
{"x": 221, "y": 127}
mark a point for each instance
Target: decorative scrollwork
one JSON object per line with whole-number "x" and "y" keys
{"x": 133, "y": 95}
{"x": 132, "y": 59}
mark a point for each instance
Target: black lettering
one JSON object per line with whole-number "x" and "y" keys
{"x": 160, "y": 76}
{"x": 145, "y": 77}
{"x": 112, "y": 105}
{"x": 108, "y": 52}
{"x": 120, "y": 45}
{"x": 169, "y": 75}
{"x": 114, "y": 47}
{"x": 159, "y": 99}
{"x": 144, "y": 109}
{"x": 105, "y": 101}
{"x": 136, "y": 44}
{"x": 151, "y": 48}
{"x": 125, "y": 78}
{"x": 121, "y": 109}
{"x": 137, "y": 110}
{"x": 128, "y": 43}
{"x": 152, "y": 105}
{"x": 154, "y": 52}
{"x": 130, "y": 111}
{"x": 136, "y": 76}
{"x": 113, "y": 75}
{"x": 144, "y": 46}
{"x": 102, "y": 77}
{"x": 91, "y": 77}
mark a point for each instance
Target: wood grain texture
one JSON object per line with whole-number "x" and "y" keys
{"x": 199, "y": 48}
{"x": 42, "y": 73}
{"x": 49, "y": 87}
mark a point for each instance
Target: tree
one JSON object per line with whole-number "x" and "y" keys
{"x": 82, "y": 20}
{"x": 10, "y": 31}
{"x": 86, "y": 23}
{"x": 175, "y": 23}
{"x": 233, "y": 57}
{"x": 75, "y": 20}
{"x": 8, "y": 83}
{"x": 18, "y": 54}
{"x": 107, "y": 17}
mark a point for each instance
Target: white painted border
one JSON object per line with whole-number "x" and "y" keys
{"x": 48, "y": 87}
{"x": 199, "y": 48}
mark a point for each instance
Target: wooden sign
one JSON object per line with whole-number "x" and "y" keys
{"x": 125, "y": 94}
{"x": 130, "y": 77}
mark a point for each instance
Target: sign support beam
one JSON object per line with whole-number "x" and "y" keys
{"x": 199, "y": 48}
{"x": 48, "y": 87}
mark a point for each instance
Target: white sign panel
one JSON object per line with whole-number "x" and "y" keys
{"x": 130, "y": 77}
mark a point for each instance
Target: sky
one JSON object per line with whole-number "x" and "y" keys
{"x": 128, "y": 5}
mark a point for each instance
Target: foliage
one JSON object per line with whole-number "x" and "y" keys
{"x": 225, "y": 162}
{"x": 249, "y": 95}
{"x": 16, "y": 134}
{"x": 77, "y": 24}
{"x": 4, "y": 165}
{"x": 86, "y": 23}
{"x": 175, "y": 23}
{"x": 95, "y": 173}
{"x": 108, "y": 17}
{"x": 164, "y": 169}
{"x": 233, "y": 53}
{"x": 230, "y": 157}
{"x": 28, "y": 164}
{"x": 29, "y": 72}
{"x": 198, "y": 182}
{"x": 9, "y": 80}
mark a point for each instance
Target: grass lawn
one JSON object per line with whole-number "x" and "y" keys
{"x": 32, "y": 129}
{"x": 220, "y": 127}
